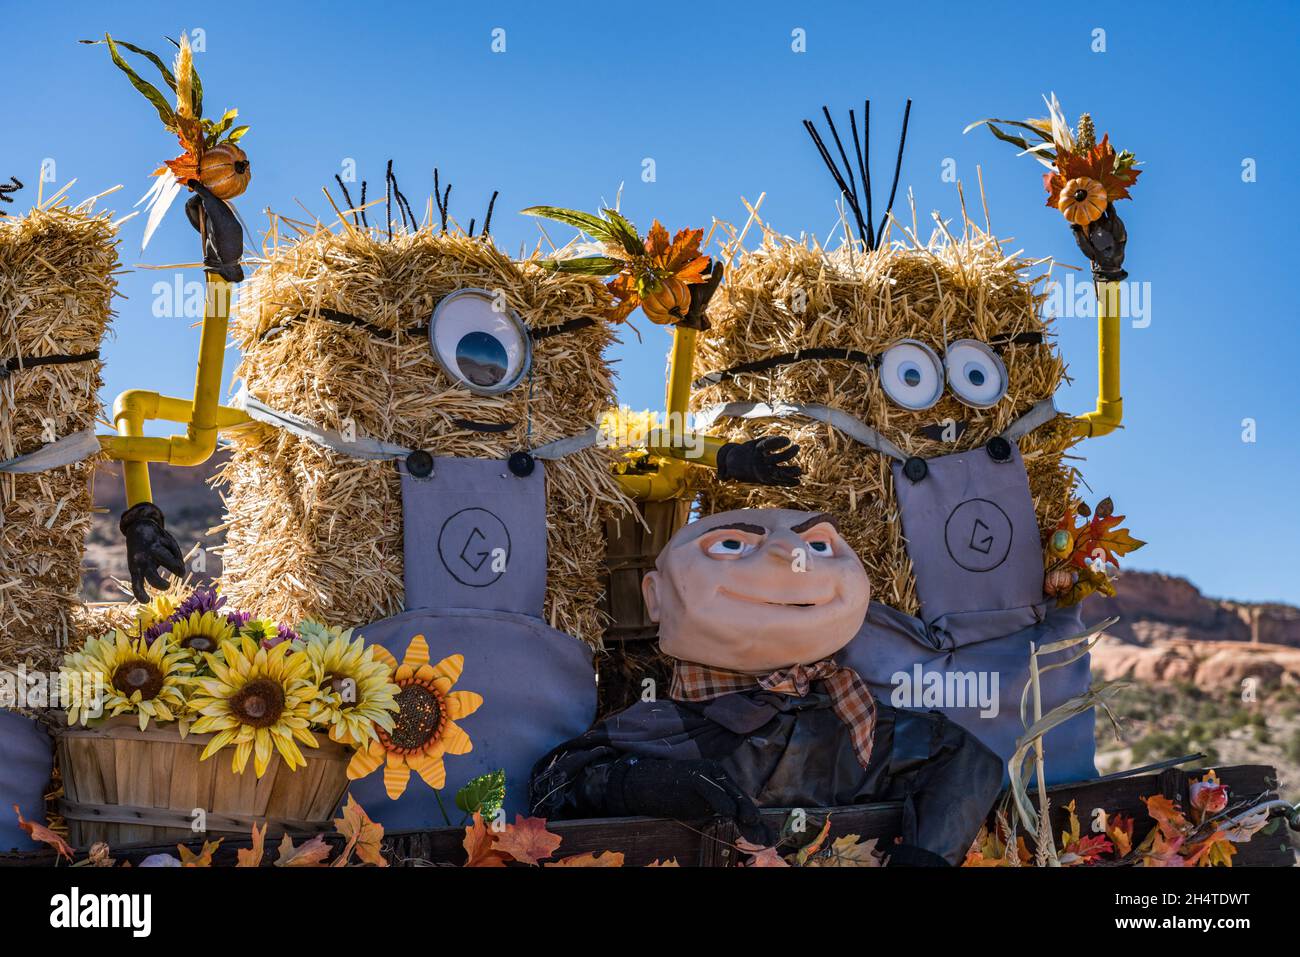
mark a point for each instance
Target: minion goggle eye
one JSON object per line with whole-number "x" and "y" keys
{"x": 480, "y": 342}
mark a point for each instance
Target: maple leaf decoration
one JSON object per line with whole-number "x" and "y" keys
{"x": 252, "y": 856}
{"x": 479, "y": 845}
{"x": 1101, "y": 163}
{"x": 362, "y": 835}
{"x": 309, "y": 854}
{"x": 43, "y": 835}
{"x": 527, "y": 840}
{"x": 203, "y": 858}
{"x": 1084, "y": 543}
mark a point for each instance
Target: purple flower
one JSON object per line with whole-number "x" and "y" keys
{"x": 284, "y": 633}
{"x": 201, "y": 600}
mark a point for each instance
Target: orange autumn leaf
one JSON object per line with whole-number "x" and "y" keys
{"x": 203, "y": 858}
{"x": 603, "y": 859}
{"x": 1167, "y": 815}
{"x": 478, "y": 844}
{"x": 681, "y": 257}
{"x": 43, "y": 835}
{"x": 1099, "y": 163}
{"x": 527, "y": 840}
{"x": 309, "y": 854}
{"x": 761, "y": 856}
{"x": 252, "y": 856}
{"x": 815, "y": 845}
{"x": 362, "y": 835}
{"x": 671, "y": 862}
{"x": 1120, "y": 830}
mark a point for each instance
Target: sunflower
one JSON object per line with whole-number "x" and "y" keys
{"x": 257, "y": 699}
{"x": 356, "y": 695}
{"x": 426, "y": 726}
{"x": 202, "y": 631}
{"x": 137, "y": 677}
{"x": 151, "y": 617}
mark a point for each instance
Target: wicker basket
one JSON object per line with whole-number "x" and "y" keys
{"x": 126, "y": 786}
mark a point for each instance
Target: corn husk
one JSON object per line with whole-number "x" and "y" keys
{"x": 789, "y": 294}
{"x": 313, "y": 533}
{"x": 57, "y": 281}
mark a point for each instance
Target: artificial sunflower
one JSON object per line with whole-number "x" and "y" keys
{"x": 147, "y": 679}
{"x": 356, "y": 696}
{"x": 425, "y": 728}
{"x": 152, "y": 616}
{"x": 202, "y": 631}
{"x": 257, "y": 699}
{"x": 655, "y": 273}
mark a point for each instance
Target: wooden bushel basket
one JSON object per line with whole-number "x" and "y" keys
{"x": 126, "y": 786}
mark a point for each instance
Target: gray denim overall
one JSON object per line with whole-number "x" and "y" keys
{"x": 972, "y": 536}
{"x": 475, "y": 575}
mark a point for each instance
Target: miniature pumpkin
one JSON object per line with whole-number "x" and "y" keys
{"x": 224, "y": 169}
{"x": 1059, "y": 582}
{"x": 1082, "y": 201}
{"x": 669, "y": 303}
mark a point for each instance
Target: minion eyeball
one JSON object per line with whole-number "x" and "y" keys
{"x": 911, "y": 375}
{"x": 976, "y": 374}
{"x": 479, "y": 344}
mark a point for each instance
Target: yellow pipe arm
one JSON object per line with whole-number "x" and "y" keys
{"x": 1110, "y": 405}
{"x": 203, "y": 416}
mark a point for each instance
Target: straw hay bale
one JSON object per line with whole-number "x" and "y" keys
{"x": 57, "y": 281}
{"x": 950, "y": 288}
{"x": 312, "y": 532}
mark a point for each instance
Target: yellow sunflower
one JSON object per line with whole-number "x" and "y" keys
{"x": 426, "y": 726}
{"x": 158, "y": 609}
{"x": 202, "y": 632}
{"x": 137, "y": 677}
{"x": 257, "y": 699}
{"x": 356, "y": 696}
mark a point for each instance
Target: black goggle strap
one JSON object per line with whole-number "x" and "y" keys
{"x": 9, "y": 366}
{"x": 997, "y": 343}
{"x": 345, "y": 319}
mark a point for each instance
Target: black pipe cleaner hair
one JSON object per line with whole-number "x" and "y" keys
{"x": 14, "y": 185}
{"x": 393, "y": 194}
{"x": 845, "y": 179}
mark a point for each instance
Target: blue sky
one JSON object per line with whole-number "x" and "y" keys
{"x": 714, "y": 94}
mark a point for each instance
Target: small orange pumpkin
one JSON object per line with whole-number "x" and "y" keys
{"x": 669, "y": 303}
{"x": 225, "y": 171}
{"x": 1082, "y": 201}
{"x": 1059, "y": 582}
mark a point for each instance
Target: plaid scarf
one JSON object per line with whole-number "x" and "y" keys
{"x": 850, "y": 697}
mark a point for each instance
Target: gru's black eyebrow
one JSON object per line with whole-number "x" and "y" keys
{"x": 739, "y": 527}
{"x": 818, "y": 519}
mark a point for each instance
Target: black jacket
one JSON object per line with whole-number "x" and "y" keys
{"x": 788, "y": 752}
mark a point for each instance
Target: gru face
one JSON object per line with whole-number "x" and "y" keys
{"x": 754, "y": 590}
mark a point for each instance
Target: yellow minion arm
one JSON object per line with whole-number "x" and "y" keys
{"x": 675, "y": 455}
{"x": 203, "y": 416}
{"x": 1110, "y": 406}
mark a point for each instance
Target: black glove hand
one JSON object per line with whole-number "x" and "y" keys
{"x": 149, "y": 548}
{"x": 760, "y": 461}
{"x": 1102, "y": 241}
{"x": 689, "y": 791}
{"x": 223, "y": 237}
{"x": 701, "y": 293}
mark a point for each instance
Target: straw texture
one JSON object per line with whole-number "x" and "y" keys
{"x": 787, "y": 295}
{"x": 313, "y": 533}
{"x": 57, "y": 281}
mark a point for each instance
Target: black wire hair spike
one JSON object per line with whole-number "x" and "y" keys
{"x": 347, "y": 197}
{"x": 364, "y": 221}
{"x": 898, "y": 166}
{"x": 487, "y": 220}
{"x": 845, "y": 179}
{"x": 13, "y": 186}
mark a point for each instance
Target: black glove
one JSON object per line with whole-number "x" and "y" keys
{"x": 701, "y": 293}
{"x": 223, "y": 237}
{"x": 685, "y": 791}
{"x": 760, "y": 461}
{"x": 1102, "y": 241}
{"x": 148, "y": 548}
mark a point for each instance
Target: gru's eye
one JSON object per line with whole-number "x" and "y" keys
{"x": 977, "y": 376}
{"x": 821, "y": 547}
{"x": 911, "y": 375}
{"x": 480, "y": 344}
{"x": 730, "y": 547}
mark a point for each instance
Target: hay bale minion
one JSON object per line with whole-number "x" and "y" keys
{"x": 918, "y": 379}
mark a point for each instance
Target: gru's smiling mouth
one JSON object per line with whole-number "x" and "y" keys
{"x": 777, "y": 604}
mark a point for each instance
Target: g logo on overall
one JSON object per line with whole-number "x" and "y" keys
{"x": 978, "y": 535}
{"x": 468, "y": 544}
